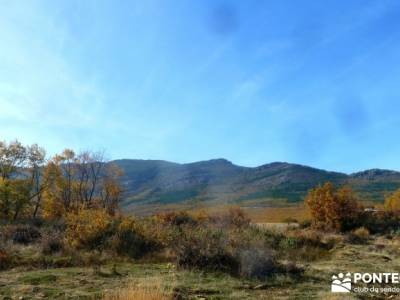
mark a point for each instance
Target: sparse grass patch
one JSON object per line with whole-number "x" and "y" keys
{"x": 38, "y": 278}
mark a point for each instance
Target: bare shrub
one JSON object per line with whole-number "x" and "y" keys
{"x": 52, "y": 243}
{"x": 234, "y": 217}
{"x": 205, "y": 249}
{"x": 175, "y": 218}
{"x": 20, "y": 234}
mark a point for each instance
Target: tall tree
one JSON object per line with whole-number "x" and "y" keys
{"x": 82, "y": 180}
{"x": 36, "y": 161}
{"x": 12, "y": 157}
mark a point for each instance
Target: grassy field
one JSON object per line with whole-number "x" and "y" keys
{"x": 258, "y": 213}
{"x": 379, "y": 255}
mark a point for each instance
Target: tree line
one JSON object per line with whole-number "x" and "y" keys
{"x": 33, "y": 186}
{"x": 339, "y": 209}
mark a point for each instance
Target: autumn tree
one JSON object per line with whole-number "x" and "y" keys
{"x": 56, "y": 193}
{"x": 77, "y": 181}
{"x": 31, "y": 186}
{"x": 20, "y": 179}
{"x": 111, "y": 190}
{"x": 90, "y": 171}
{"x": 392, "y": 202}
{"x": 12, "y": 157}
{"x": 36, "y": 159}
{"x": 332, "y": 208}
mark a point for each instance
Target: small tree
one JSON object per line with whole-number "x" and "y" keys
{"x": 89, "y": 228}
{"x": 392, "y": 202}
{"x": 333, "y": 209}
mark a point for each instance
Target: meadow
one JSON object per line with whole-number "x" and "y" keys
{"x": 309, "y": 258}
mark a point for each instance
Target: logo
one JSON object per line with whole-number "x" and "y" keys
{"x": 341, "y": 283}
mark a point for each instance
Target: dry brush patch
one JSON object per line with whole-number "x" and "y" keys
{"x": 150, "y": 290}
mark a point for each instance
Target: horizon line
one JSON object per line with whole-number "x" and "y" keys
{"x": 258, "y": 166}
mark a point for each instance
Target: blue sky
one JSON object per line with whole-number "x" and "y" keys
{"x": 311, "y": 82}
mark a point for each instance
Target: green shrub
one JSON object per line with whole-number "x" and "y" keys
{"x": 288, "y": 242}
{"x": 381, "y": 221}
{"x": 205, "y": 248}
{"x": 273, "y": 238}
{"x": 131, "y": 239}
{"x": 303, "y": 245}
{"x": 257, "y": 263}
{"x": 310, "y": 238}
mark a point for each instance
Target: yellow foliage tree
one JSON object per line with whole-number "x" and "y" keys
{"x": 333, "y": 209}
{"x": 88, "y": 228}
{"x": 53, "y": 204}
{"x": 392, "y": 202}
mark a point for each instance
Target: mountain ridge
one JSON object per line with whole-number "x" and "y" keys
{"x": 164, "y": 182}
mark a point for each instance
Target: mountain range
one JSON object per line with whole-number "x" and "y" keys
{"x": 160, "y": 182}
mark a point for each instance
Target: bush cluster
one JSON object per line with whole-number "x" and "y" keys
{"x": 220, "y": 243}
{"x": 204, "y": 248}
{"x": 132, "y": 239}
{"x": 20, "y": 233}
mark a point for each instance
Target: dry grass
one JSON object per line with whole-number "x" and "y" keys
{"x": 257, "y": 212}
{"x": 137, "y": 293}
{"x": 152, "y": 290}
{"x": 278, "y": 227}
{"x": 277, "y": 214}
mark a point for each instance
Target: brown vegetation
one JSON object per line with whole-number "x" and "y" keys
{"x": 332, "y": 208}
{"x": 153, "y": 290}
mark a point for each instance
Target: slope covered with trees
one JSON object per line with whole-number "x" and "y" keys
{"x": 161, "y": 182}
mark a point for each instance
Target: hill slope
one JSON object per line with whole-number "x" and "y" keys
{"x": 162, "y": 182}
